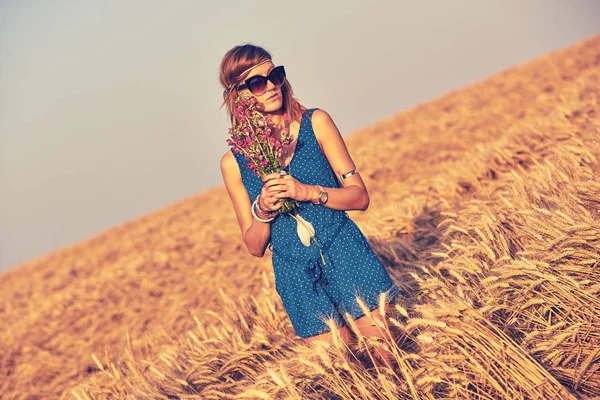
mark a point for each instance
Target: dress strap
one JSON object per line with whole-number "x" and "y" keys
{"x": 310, "y": 112}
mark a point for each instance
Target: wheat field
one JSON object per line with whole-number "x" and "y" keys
{"x": 485, "y": 209}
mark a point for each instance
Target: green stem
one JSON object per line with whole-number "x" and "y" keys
{"x": 246, "y": 154}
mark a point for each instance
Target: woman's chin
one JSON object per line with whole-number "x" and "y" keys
{"x": 272, "y": 107}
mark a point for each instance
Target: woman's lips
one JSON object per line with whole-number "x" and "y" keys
{"x": 273, "y": 97}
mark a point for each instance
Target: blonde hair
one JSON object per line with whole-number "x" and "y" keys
{"x": 236, "y": 64}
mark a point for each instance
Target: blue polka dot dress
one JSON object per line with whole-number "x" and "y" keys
{"x": 312, "y": 291}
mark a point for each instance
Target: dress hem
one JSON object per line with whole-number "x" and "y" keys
{"x": 394, "y": 291}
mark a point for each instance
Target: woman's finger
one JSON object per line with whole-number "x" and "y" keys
{"x": 277, "y": 184}
{"x": 270, "y": 176}
{"x": 274, "y": 181}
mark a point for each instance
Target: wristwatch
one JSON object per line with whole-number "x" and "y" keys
{"x": 323, "y": 196}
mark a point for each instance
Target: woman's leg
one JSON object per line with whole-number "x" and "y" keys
{"x": 368, "y": 328}
{"x": 344, "y": 333}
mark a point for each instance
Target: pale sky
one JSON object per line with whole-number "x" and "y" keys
{"x": 110, "y": 110}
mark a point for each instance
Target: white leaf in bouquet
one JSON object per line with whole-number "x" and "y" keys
{"x": 305, "y": 230}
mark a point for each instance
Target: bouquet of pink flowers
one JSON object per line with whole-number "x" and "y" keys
{"x": 254, "y": 138}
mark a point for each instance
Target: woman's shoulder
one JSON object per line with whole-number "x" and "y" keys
{"x": 228, "y": 156}
{"x": 229, "y": 162}
{"x": 317, "y": 112}
{"x": 319, "y": 116}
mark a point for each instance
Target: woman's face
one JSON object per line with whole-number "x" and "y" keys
{"x": 271, "y": 100}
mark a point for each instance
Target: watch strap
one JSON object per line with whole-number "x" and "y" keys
{"x": 321, "y": 193}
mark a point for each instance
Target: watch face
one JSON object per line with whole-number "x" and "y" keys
{"x": 323, "y": 197}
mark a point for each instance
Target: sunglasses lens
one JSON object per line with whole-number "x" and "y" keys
{"x": 258, "y": 85}
{"x": 277, "y": 76}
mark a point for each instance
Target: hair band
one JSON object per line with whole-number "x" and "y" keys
{"x": 234, "y": 84}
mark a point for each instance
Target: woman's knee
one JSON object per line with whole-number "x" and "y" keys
{"x": 324, "y": 337}
{"x": 345, "y": 334}
{"x": 368, "y": 327}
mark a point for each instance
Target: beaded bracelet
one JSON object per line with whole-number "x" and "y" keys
{"x": 256, "y": 216}
{"x": 261, "y": 212}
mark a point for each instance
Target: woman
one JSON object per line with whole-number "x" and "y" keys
{"x": 311, "y": 288}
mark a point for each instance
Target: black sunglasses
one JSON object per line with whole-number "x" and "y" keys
{"x": 258, "y": 83}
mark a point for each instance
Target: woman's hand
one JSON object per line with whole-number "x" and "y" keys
{"x": 285, "y": 186}
{"x": 267, "y": 200}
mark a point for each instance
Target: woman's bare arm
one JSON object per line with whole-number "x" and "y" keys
{"x": 354, "y": 195}
{"x": 255, "y": 234}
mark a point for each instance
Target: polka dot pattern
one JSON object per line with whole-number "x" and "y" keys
{"x": 312, "y": 291}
